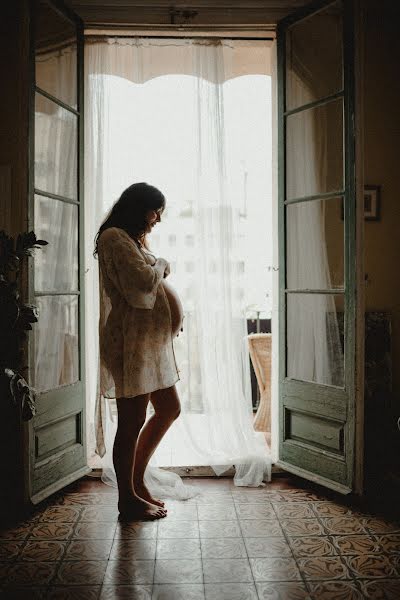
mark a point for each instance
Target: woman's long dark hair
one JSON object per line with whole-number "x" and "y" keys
{"x": 130, "y": 210}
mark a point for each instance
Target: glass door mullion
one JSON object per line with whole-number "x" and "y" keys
{"x": 38, "y": 90}
{"x": 58, "y": 293}
{"x": 334, "y": 291}
{"x": 39, "y": 192}
{"x": 315, "y": 104}
{"x": 322, "y": 196}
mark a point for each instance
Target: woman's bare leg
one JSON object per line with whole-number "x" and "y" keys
{"x": 167, "y": 408}
{"x": 131, "y": 417}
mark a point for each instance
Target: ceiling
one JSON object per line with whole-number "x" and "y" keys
{"x": 194, "y": 13}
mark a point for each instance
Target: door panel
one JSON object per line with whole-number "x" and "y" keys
{"x": 317, "y": 243}
{"x": 57, "y": 433}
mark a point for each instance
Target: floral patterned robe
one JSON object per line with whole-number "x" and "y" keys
{"x": 136, "y": 348}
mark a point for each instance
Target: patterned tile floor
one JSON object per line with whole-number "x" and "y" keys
{"x": 283, "y": 541}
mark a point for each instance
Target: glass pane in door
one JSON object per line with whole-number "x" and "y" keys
{"x": 55, "y": 54}
{"x": 56, "y": 348}
{"x": 314, "y": 57}
{"x": 55, "y": 149}
{"x": 314, "y": 150}
{"x": 56, "y": 265}
{"x": 315, "y": 338}
{"x": 315, "y": 244}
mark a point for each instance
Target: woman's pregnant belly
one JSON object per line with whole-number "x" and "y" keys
{"x": 175, "y": 306}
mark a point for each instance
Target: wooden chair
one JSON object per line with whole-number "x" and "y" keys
{"x": 260, "y": 345}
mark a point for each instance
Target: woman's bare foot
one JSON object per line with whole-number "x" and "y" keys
{"x": 138, "y": 509}
{"x": 143, "y": 492}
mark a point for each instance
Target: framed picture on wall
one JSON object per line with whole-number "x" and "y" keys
{"x": 372, "y": 203}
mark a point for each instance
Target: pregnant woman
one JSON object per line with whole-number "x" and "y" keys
{"x": 139, "y": 316}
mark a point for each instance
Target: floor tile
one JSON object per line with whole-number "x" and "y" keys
{"x": 297, "y": 527}
{"x": 376, "y": 525}
{"x": 356, "y": 544}
{"x": 323, "y": 567}
{"x": 294, "y": 510}
{"x": 230, "y": 591}
{"x": 249, "y": 496}
{"x": 52, "y": 531}
{"x": 178, "y": 571}
{"x": 371, "y": 566}
{"x": 23, "y": 593}
{"x": 212, "y": 484}
{"x": 226, "y": 499}
{"x": 343, "y": 525}
{"x": 184, "y": 591}
{"x": 274, "y": 569}
{"x": 211, "y": 512}
{"x": 178, "y": 529}
{"x": 10, "y": 549}
{"x": 15, "y": 533}
{"x": 227, "y": 570}
{"x": 29, "y": 573}
{"x": 89, "y": 572}
{"x": 389, "y": 543}
{"x": 100, "y": 514}
{"x": 74, "y": 593}
{"x": 381, "y": 589}
{"x": 313, "y": 546}
{"x": 223, "y": 548}
{"x": 60, "y": 514}
{"x": 4, "y": 568}
{"x": 88, "y": 550}
{"x": 90, "y": 484}
{"x": 43, "y": 550}
{"x": 395, "y": 560}
{"x": 76, "y": 499}
{"x": 335, "y": 590}
{"x": 255, "y": 511}
{"x": 178, "y": 548}
{"x": 126, "y": 592}
{"x": 129, "y": 572}
{"x": 136, "y": 530}
{"x": 297, "y": 495}
{"x": 267, "y": 547}
{"x": 95, "y": 531}
{"x": 331, "y": 509}
{"x": 291, "y": 590}
{"x": 219, "y": 529}
{"x": 260, "y": 528}
{"x": 296, "y": 543}
{"x": 133, "y": 549}
{"x": 36, "y": 514}
{"x": 181, "y": 510}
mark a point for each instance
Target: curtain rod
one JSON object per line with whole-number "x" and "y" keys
{"x": 178, "y": 37}
{"x": 147, "y": 31}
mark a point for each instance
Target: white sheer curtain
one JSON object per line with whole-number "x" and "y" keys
{"x": 315, "y": 352}
{"x": 56, "y": 265}
{"x": 168, "y": 112}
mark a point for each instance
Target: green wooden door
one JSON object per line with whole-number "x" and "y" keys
{"x": 57, "y": 450}
{"x": 317, "y": 227}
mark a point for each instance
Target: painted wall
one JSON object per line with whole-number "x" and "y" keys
{"x": 14, "y": 68}
{"x": 382, "y": 164}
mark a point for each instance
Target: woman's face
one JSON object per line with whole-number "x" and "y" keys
{"x": 153, "y": 217}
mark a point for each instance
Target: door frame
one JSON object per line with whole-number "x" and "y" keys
{"x": 359, "y": 470}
